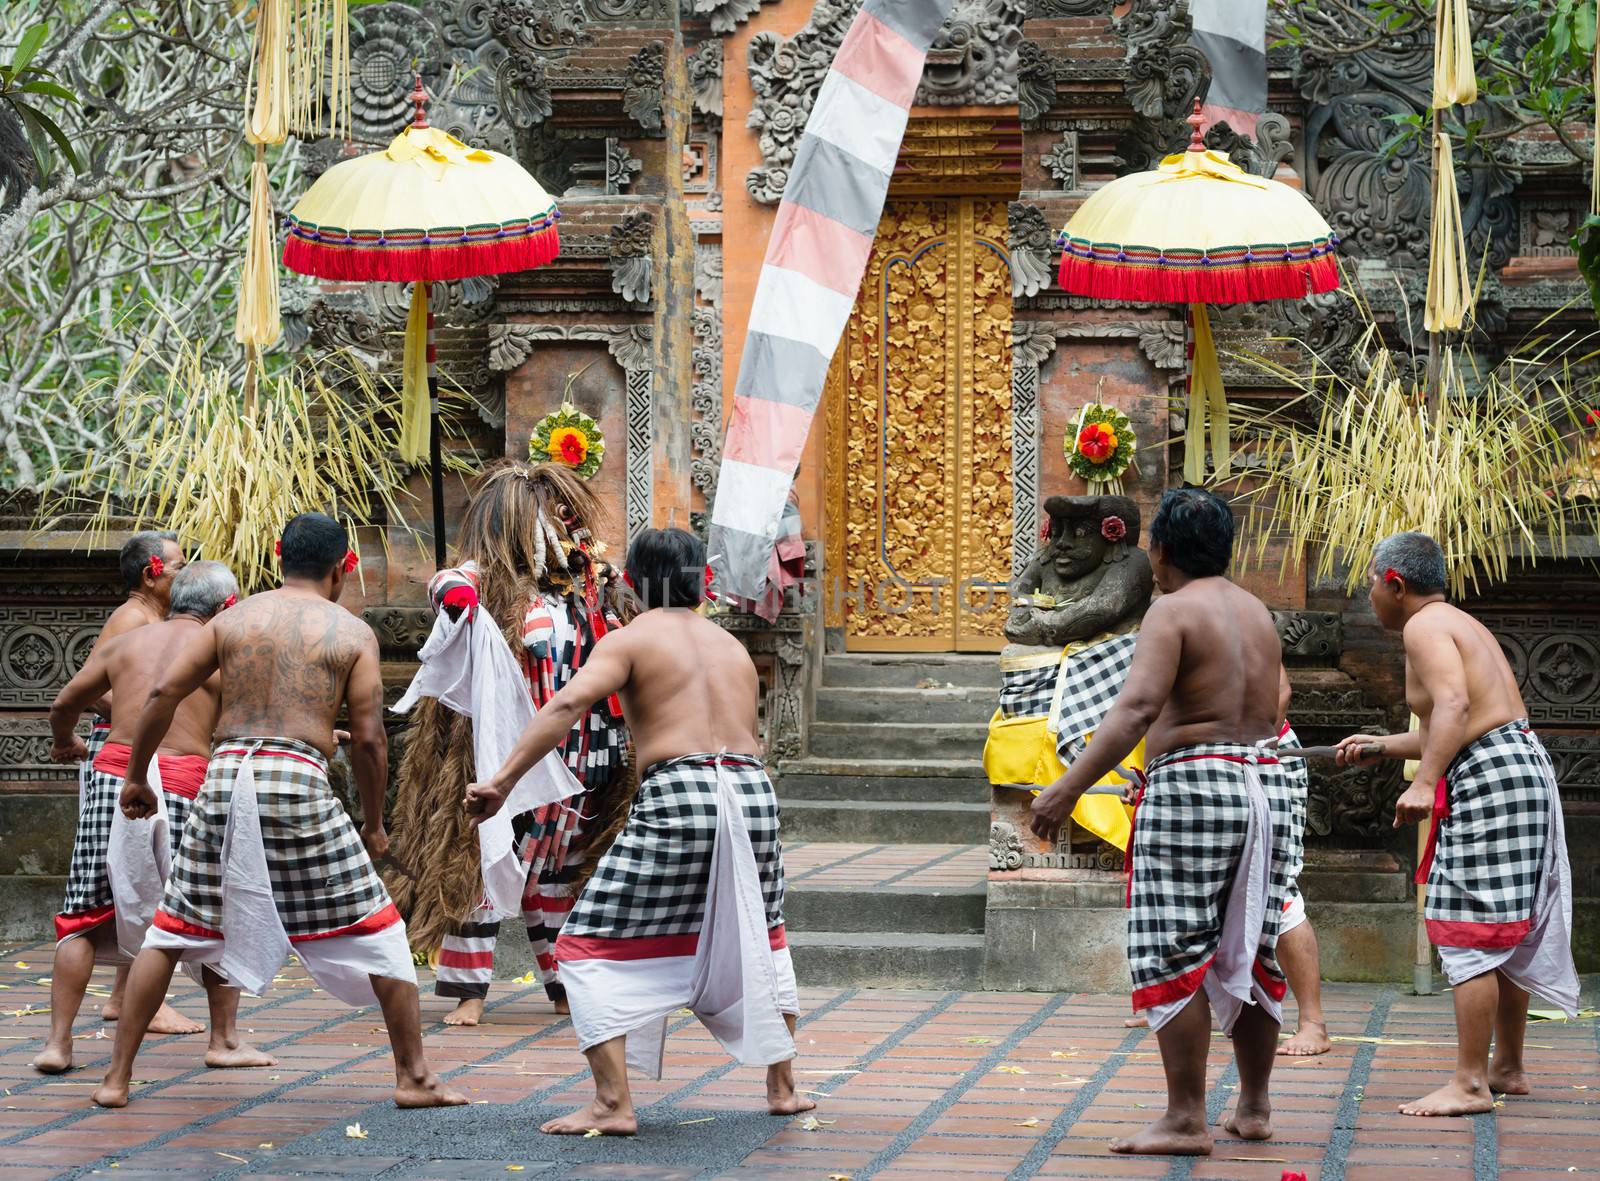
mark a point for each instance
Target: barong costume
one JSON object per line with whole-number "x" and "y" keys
{"x": 471, "y": 669}
{"x": 1050, "y": 706}
{"x": 685, "y": 910}
{"x": 270, "y": 862}
{"x": 1499, "y": 885}
{"x": 1297, "y": 773}
{"x": 1207, "y": 878}
{"x": 105, "y": 838}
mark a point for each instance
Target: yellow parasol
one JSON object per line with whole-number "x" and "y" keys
{"x": 428, "y": 207}
{"x": 1198, "y": 230}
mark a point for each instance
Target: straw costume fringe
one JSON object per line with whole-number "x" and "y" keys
{"x": 1449, "y": 284}
{"x": 1454, "y": 80}
{"x": 257, "y": 321}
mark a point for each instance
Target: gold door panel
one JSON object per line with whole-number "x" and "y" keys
{"x": 918, "y": 448}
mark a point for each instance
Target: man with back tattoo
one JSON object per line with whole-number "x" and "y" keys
{"x": 296, "y": 874}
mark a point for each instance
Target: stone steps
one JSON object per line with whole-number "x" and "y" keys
{"x": 888, "y": 704}
{"x": 933, "y": 910}
{"x": 889, "y": 785}
{"x": 898, "y": 740}
{"x": 915, "y": 959}
{"x": 883, "y": 822}
{"x": 875, "y": 670}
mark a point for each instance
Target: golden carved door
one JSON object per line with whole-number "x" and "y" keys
{"x": 918, "y": 450}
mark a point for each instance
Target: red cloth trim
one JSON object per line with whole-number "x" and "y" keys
{"x": 378, "y": 920}
{"x": 113, "y": 759}
{"x": 97, "y": 724}
{"x": 465, "y": 959}
{"x": 183, "y": 775}
{"x": 84, "y": 920}
{"x": 598, "y": 947}
{"x": 177, "y": 926}
{"x": 1441, "y": 809}
{"x": 269, "y": 753}
{"x": 1283, "y": 733}
{"x": 369, "y": 261}
{"x": 1168, "y": 991}
{"x": 1224, "y": 281}
{"x": 1485, "y": 936}
{"x": 1276, "y": 986}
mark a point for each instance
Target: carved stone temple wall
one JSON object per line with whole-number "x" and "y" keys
{"x": 667, "y": 127}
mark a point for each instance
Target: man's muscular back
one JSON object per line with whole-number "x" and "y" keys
{"x": 1490, "y": 686}
{"x": 1229, "y": 673}
{"x": 133, "y": 663}
{"x": 285, "y": 657}
{"x": 691, "y": 687}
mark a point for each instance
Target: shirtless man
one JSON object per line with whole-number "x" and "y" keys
{"x": 1497, "y": 858}
{"x": 125, "y": 667}
{"x": 1204, "y": 693}
{"x": 148, "y": 562}
{"x": 628, "y": 949}
{"x": 289, "y": 659}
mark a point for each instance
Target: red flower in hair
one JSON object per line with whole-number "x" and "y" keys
{"x": 157, "y": 566}
{"x": 277, "y": 547}
{"x": 351, "y": 561}
{"x": 1113, "y": 529}
{"x": 1044, "y": 530}
{"x": 709, "y": 593}
{"x": 228, "y": 602}
{"x": 1592, "y": 418}
{"x": 627, "y": 581}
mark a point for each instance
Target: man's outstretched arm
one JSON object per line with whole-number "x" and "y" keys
{"x": 1436, "y": 662}
{"x": 369, "y": 744}
{"x": 1144, "y": 695}
{"x": 605, "y": 673}
{"x": 195, "y": 662}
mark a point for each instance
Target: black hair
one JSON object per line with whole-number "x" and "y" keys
{"x": 1415, "y": 557}
{"x": 312, "y": 545}
{"x": 667, "y": 568}
{"x": 134, "y": 558}
{"x": 1194, "y": 528}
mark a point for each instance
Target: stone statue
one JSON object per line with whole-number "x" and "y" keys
{"x": 1089, "y": 580}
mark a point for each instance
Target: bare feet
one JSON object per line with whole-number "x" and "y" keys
{"x": 1168, "y": 1136}
{"x": 54, "y": 1059}
{"x": 169, "y": 1020}
{"x": 239, "y": 1055}
{"x": 1506, "y": 1080}
{"x": 561, "y": 1006}
{"x": 1136, "y": 1023}
{"x": 468, "y": 1012}
{"x": 111, "y": 1095}
{"x": 782, "y": 1099}
{"x": 1452, "y": 1099}
{"x": 1249, "y": 1123}
{"x": 426, "y": 1091}
{"x": 1309, "y": 1040}
{"x": 111, "y": 1010}
{"x": 610, "y": 1120}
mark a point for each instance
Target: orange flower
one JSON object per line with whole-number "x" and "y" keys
{"x": 570, "y": 444}
{"x": 1097, "y": 442}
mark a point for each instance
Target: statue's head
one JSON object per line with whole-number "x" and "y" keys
{"x": 1089, "y": 531}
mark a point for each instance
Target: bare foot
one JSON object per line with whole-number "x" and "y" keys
{"x": 1136, "y": 1023}
{"x": 111, "y": 1095}
{"x": 1309, "y": 1040}
{"x": 1505, "y": 1080}
{"x": 1248, "y": 1123}
{"x": 1452, "y": 1099}
{"x": 111, "y": 1010}
{"x": 468, "y": 1012}
{"x": 169, "y": 1020}
{"x": 238, "y": 1056}
{"x": 54, "y": 1059}
{"x": 609, "y": 1120}
{"x": 426, "y": 1091}
{"x": 783, "y": 1100}
{"x": 1168, "y": 1137}
{"x": 561, "y": 1006}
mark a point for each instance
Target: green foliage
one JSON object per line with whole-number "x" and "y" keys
{"x": 23, "y": 87}
{"x": 1586, "y": 244}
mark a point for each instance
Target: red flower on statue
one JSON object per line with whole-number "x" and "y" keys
{"x": 1113, "y": 529}
{"x": 1097, "y": 442}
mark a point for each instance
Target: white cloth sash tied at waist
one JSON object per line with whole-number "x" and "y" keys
{"x": 138, "y": 863}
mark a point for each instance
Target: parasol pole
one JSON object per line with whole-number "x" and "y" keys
{"x": 435, "y": 447}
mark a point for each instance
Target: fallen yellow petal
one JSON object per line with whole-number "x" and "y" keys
{"x": 1063, "y": 1053}
{"x": 811, "y": 1123}
{"x": 355, "y": 1132}
{"x": 838, "y": 1177}
{"x": 1009, "y": 1070}
{"x": 514, "y": 1168}
{"x": 22, "y": 965}
{"x": 708, "y": 1119}
{"x": 266, "y": 1144}
{"x": 1029, "y": 1123}
{"x": 592, "y": 1133}
{"x": 230, "y": 1156}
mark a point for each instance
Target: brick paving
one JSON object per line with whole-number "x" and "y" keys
{"x": 825, "y": 865}
{"x": 911, "y": 1085}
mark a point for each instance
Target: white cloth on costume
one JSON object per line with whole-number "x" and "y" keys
{"x": 138, "y": 863}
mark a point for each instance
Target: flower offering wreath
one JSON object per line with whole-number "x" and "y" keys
{"x": 1100, "y": 446}
{"x": 568, "y": 435}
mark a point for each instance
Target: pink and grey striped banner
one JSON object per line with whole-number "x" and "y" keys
{"x": 821, "y": 240}
{"x": 1233, "y": 36}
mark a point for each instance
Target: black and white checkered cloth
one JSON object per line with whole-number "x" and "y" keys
{"x": 1188, "y": 838}
{"x": 88, "y": 887}
{"x": 1491, "y": 845}
{"x": 1027, "y": 692}
{"x": 1094, "y": 679}
{"x": 322, "y": 878}
{"x": 653, "y": 879}
{"x": 1297, "y": 778}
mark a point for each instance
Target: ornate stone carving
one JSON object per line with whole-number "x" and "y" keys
{"x": 705, "y": 429}
{"x": 538, "y": 26}
{"x": 1052, "y": 9}
{"x": 391, "y": 38}
{"x": 1061, "y": 161}
{"x": 25, "y": 750}
{"x": 1164, "y": 71}
{"x": 643, "y": 85}
{"x": 42, "y": 647}
{"x": 973, "y": 59}
{"x": 1084, "y": 583}
{"x": 621, "y": 166}
{"x": 1315, "y": 635}
{"x": 708, "y": 272}
{"x": 779, "y": 652}
{"x": 1260, "y": 155}
{"x": 1005, "y": 847}
{"x": 1030, "y": 240}
{"x": 1556, "y": 657}
{"x": 705, "y": 80}
{"x": 726, "y": 15}
{"x": 1031, "y": 344}
{"x": 401, "y": 631}
{"x": 631, "y": 264}
{"x": 1577, "y": 766}
{"x": 1036, "y": 80}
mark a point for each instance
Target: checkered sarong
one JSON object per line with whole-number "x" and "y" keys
{"x": 653, "y": 879}
{"x": 1092, "y": 680}
{"x": 88, "y": 886}
{"x": 1188, "y": 837}
{"x": 1491, "y": 840}
{"x": 1297, "y": 778}
{"x": 322, "y": 879}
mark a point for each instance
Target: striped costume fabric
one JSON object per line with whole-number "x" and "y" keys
{"x": 1233, "y": 36}
{"x": 556, "y": 637}
{"x": 1191, "y": 841}
{"x": 821, "y": 238}
{"x": 1297, "y": 778}
{"x": 323, "y": 881}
